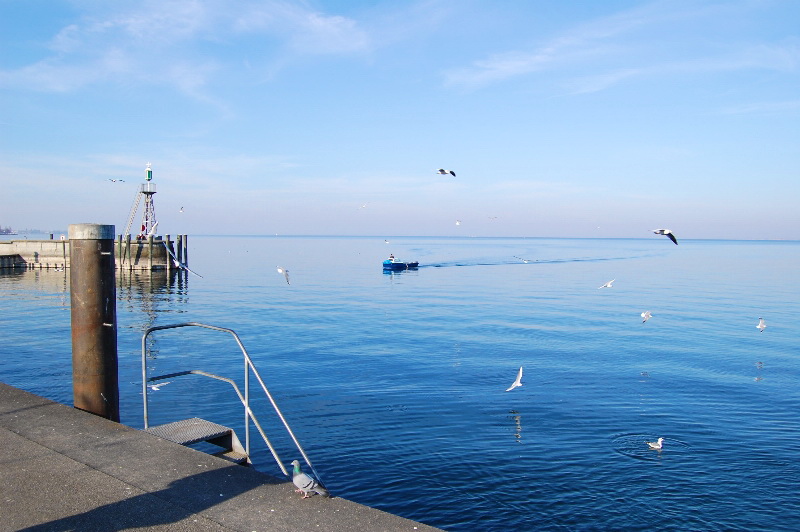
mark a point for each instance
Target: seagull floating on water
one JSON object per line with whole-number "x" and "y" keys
{"x": 181, "y": 210}
{"x": 607, "y": 285}
{"x": 285, "y": 273}
{"x": 646, "y": 315}
{"x": 517, "y": 382}
{"x": 667, "y": 233}
{"x": 458, "y": 222}
{"x": 761, "y": 325}
{"x": 656, "y": 445}
{"x": 156, "y": 387}
{"x": 445, "y": 172}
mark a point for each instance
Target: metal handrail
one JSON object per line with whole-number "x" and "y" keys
{"x": 248, "y": 366}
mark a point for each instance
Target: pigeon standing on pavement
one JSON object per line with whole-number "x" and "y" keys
{"x": 305, "y": 484}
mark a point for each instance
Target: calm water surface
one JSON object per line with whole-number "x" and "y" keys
{"x": 394, "y": 383}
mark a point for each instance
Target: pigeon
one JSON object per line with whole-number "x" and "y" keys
{"x": 761, "y": 325}
{"x": 305, "y": 484}
{"x": 607, "y": 285}
{"x": 285, "y": 273}
{"x": 646, "y": 315}
{"x": 655, "y": 445}
{"x": 517, "y": 382}
{"x": 668, "y": 233}
{"x": 156, "y": 387}
{"x": 445, "y": 172}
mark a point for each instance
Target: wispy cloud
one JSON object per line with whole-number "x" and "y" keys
{"x": 181, "y": 43}
{"x": 599, "y": 54}
{"x": 764, "y": 108}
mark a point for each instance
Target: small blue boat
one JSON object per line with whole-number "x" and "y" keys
{"x": 393, "y": 264}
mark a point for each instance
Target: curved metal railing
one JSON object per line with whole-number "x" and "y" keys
{"x": 245, "y": 399}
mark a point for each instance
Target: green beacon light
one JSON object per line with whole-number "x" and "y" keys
{"x": 148, "y": 172}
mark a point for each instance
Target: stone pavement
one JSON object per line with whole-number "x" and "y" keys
{"x": 65, "y": 469}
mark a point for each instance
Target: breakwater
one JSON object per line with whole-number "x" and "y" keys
{"x": 129, "y": 254}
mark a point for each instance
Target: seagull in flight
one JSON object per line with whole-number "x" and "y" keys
{"x": 667, "y": 233}
{"x": 607, "y": 285}
{"x": 156, "y": 387}
{"x": 285, "y": 273}
{"x": 646, "y": 315}
{"x": 761, "y": 325}
{"x": 655, "y": 445}
{"x": 458, "y": 222}
{"x": 445, "y": 172}
{"x": 517, "y": 382}
{"x": 115, "y": 180}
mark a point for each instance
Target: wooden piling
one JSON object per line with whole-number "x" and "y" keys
{"x": 186, "y": 250}
{"x": 168, "y": 245}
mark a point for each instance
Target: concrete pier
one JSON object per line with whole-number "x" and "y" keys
{"x": 129, "y": 254}
{"x": 65, "y": 469}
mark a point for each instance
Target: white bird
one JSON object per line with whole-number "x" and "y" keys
{"x": 526, "y": 261}
{"x": 181, "y": 210}
{"x": 517, "y": 382}
{"x": 156, "y": 387}
{"x": 285, "y": 273}
{"x": 445, "y": 172}
{"x": 607, "y": 285}
{"x": 655, "y": 445}
{"x": 667, "y": 233}
{"x": 458, "y": 222}
{"x": 646, "y": 315}
{"x": 761, "y": 325}
{"x": 115, "y": 180}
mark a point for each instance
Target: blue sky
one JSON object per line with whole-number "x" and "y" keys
{"x": 575, "y": 119}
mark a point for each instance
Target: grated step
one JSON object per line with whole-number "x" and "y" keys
{"x": 189, "y": 431}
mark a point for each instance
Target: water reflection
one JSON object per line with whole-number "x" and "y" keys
{"x": 146, "y": 294}
{"x": 517, "y": 418}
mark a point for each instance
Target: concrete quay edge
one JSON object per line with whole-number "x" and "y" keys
{"x": 65, "y": 469}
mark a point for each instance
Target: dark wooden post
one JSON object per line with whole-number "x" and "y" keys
{"x": 93, "y": 295}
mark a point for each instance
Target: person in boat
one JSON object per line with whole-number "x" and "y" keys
{"x": 391, "y": 256}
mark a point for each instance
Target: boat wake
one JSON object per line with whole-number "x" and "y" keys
{"x": 487, "y": 262}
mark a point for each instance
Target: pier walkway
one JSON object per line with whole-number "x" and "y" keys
{"x": 65, "y": 469}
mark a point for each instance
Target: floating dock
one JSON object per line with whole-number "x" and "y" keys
{"x": 65, "y": 469}
{"x": 146, "y": 254}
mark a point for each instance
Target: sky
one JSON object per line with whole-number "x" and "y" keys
{"x": 560, "y": 119}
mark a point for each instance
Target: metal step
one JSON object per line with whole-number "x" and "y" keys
{"x": 232, "y": 456}
{"x": 196, "y": 430}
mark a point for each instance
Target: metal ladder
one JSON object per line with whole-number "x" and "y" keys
{"x": 195, "y": 430}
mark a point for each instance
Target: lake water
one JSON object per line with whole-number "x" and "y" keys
{"x": 395, "y": 383}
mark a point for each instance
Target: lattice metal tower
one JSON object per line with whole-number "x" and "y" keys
{"x": 149, "y": 222}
